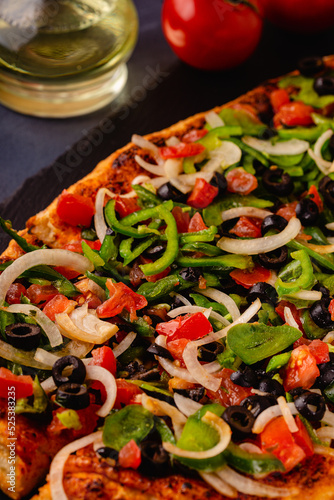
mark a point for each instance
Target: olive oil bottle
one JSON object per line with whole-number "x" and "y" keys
{"x": 64, "y": 57}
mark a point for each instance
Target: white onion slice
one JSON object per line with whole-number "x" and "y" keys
{"x": 173, "y": 167}
{"x": 150, "y": 167}
{"x": 249, "y": 486}
{"x": 96, "y": 289}
{"x": 143, "y": 143}
{"x": 223, "y": 430}
{"x": 108, "y": 380}
{"x": 250, "y": 448}
{"x": 197, "y": 371}
{"x": 328, "y": 418}
{"x": 158, "y": 181}
{"x": 222, "y": 298}
{"x": 49, "y": 257}
{"x": 329, "y": 337}
{"x": 322, "y": 249}
{"x": 186, "y": 182}
{"x": 306, "y": 295}
{"x": 58, "y": 463}
{"x": 219, "y": 485}
{"x": 161, "y": 408}
{"x": 213, "y": 119}
{"x": 330, "y": 240}
{"x": 172, "y": 141}
{"x": 244, "y": 318}
{"x": 330, "y": 226}
{"x": 264, "y": 244}
{"x": 73, "y": 348}
{"x": 83, "y": 324}
{"x": 323, "y": 165}
{"x": 169, "y": 366}
{"x": 99, "y": 222}
{"x": 194, "y": 309}
{"x": 324, "y": 450}
{"x": 267, "y": 415}
{"x": 139, "y": 179}
{"x": 50, "y": 329}
{"x": 186, "y": 405}
{"x": 181, "y": 298}
{"x": 289, "y": 319}
{"x": 124, "y": 344}
{"x": 224, "y": 156}
{"x": 325, "y": 433}
{"x": 21, "y": 357}
{"x": 287, "y": 415}
{"x": 290, "y": 147}
{"x": 233, "y": 213}
{"x": 316, "y": 155}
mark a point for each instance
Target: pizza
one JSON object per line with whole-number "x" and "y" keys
{"x": 167, "y": 322}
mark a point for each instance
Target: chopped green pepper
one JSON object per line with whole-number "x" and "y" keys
{"x": 303, "y": 282}
{"x": 278, "y": 361}
{"x": 230, "y": 260}
{"x": 252, "y": 463}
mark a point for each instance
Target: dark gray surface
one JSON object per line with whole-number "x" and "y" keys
{"x": 160, "y": 91}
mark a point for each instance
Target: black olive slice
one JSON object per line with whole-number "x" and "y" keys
{"x": 155, "y": 461}
{"x": 321, "y": 288}
{"x": 160, "y": 351}
{"x": 324, "y": 85}
{"x": 320, "y": 314}
{"x": 239, "y": 419}
{"x": 194, "y": 394}
{"x": 23, "y": 336}
{"x": 73, "y": 396}
{"x": 257, "y": 404}
{"x": 304, "y": 404}
{"x": 273, "y": 222}
{"x": 307, "y": 212}
{"x": 169, "y": 192}
{"x": 192, "y": 274}
{"x": 106, "y": 452}
{"x": 218, "y": 180}
{"x": 264, "y": 291}
{"x": 309, "y": 66}
{"x": 275, "y": 259}
{"x": 155, "y": 252}
{"x": 278, "y": 182}
{"x": 77, "y": 376}
{"x": 245, "y": 378}
{"x": 326, "y": 188}
{"x": 272, "y": 387}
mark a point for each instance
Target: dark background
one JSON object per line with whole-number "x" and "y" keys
{"x": 40, "y": 157}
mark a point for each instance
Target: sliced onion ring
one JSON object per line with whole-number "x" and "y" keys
{"x": 287, "y": 415}
{"x": 58, "y": 463}
{"x": 232, "y": 213}
{"x": 289, "y": 319}
{"x": 194, "y": 309}
{"x": 186, "y": 405}
{"x": 21, "y": 357}
{"x": 49, "y": 257}
{"x": 70, "y": 330}
{"x": 324, "y": 166}
{"x": 222, "y": 298}
{"x": 150, "y": 167}
{"x": 213, "y": 119}
{"x": 124, "y": 344}
{"x": 143, "y": 143}
{"x": 219, "y": 485}
{"x": 264, "y": 244}
{"x": 108, "y": 380}
{"x": 197, "y": 371}
{"x": 322, "y": 249}
{"x": 73, "y": 348}
{"x": 290, "y": 147}
{"x": 223, "y": 430}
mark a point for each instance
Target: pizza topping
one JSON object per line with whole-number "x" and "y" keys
{"x": 77, "y": 375}
{"x": 23, "y": 336}
{"x": 75, "y": 209}
{"x": 291, "y": 147}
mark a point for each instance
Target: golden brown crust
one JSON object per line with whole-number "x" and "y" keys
{"x": 86, "y": 476}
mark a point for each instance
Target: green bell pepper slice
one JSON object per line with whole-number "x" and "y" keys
{"x": 253, "y": 342}
{"x": 303, "y": 282}
{"x": 278, "y": 361}
{"x": 230, "y": 260}
{"x": 197, "y": 246}
{"x": 212, "y": 214}
{"x": 307, "y": 134}
{"x": 312, "y": 330}
{"x": 126, "y": 229}
{"x": 252, "y": 463}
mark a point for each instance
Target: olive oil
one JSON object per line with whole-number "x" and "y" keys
{"x": 64, "y": 47}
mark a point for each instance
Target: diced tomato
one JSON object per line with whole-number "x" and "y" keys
{"x": 88, "y": 420}
{"x": 181, "y": 150}
{"x": 13, "y": 295}
{"x": 176, "y": 348}
{"x": 196, "y": 223}
{"x": 126, "y": 206}
{"x": 301, "y": 341}
{"x": 90, "y": 299}
{"x": 294, "y": 311}
{"x": 15, "y": 386}
{"x": 182, "y": 219}
{"x": 121, "y": 297}
{"x": 41, "y": 293}
{"x": 202, "y": 283}
{"x": 229, "y": 394}
{"x": 331, "y": 309}
{"x": 191, "y": 327}
{"x": 68, "y": 273}
{"x": 278, "y": 98}
{"x": 248, "y": 278}
{"x": 104, "y": 357}
{"x": 288, "y": 211}
{"x": 319, "y": 351}
{"x": 302, "y": 438}
{"x": 130, "y": 456}
{"x": 315, "y": 196}
{"x": 75, "y": 209}
{"x": 241, "y": 182}
{"x": 159, "y": 276}
{"x": 293, "y": 114}
{"x": 194, "y": 135}
{"x": 77, "y": 247}
{"x": 249, "y": 109}
{"x": 277, "y": 439}
{"x": 202, "y": 194}
{"x": 126, "y": 392}
{"x": 58, "y": 304}
{"x": 302, "y": 369}
{"x": 247, "y": 227}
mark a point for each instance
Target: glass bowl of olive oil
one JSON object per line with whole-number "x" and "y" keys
{"x": 62, "y": 58}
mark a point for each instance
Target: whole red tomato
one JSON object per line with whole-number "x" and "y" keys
{"x": 300, "y": 15}
{"x": 212, "y": 34}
